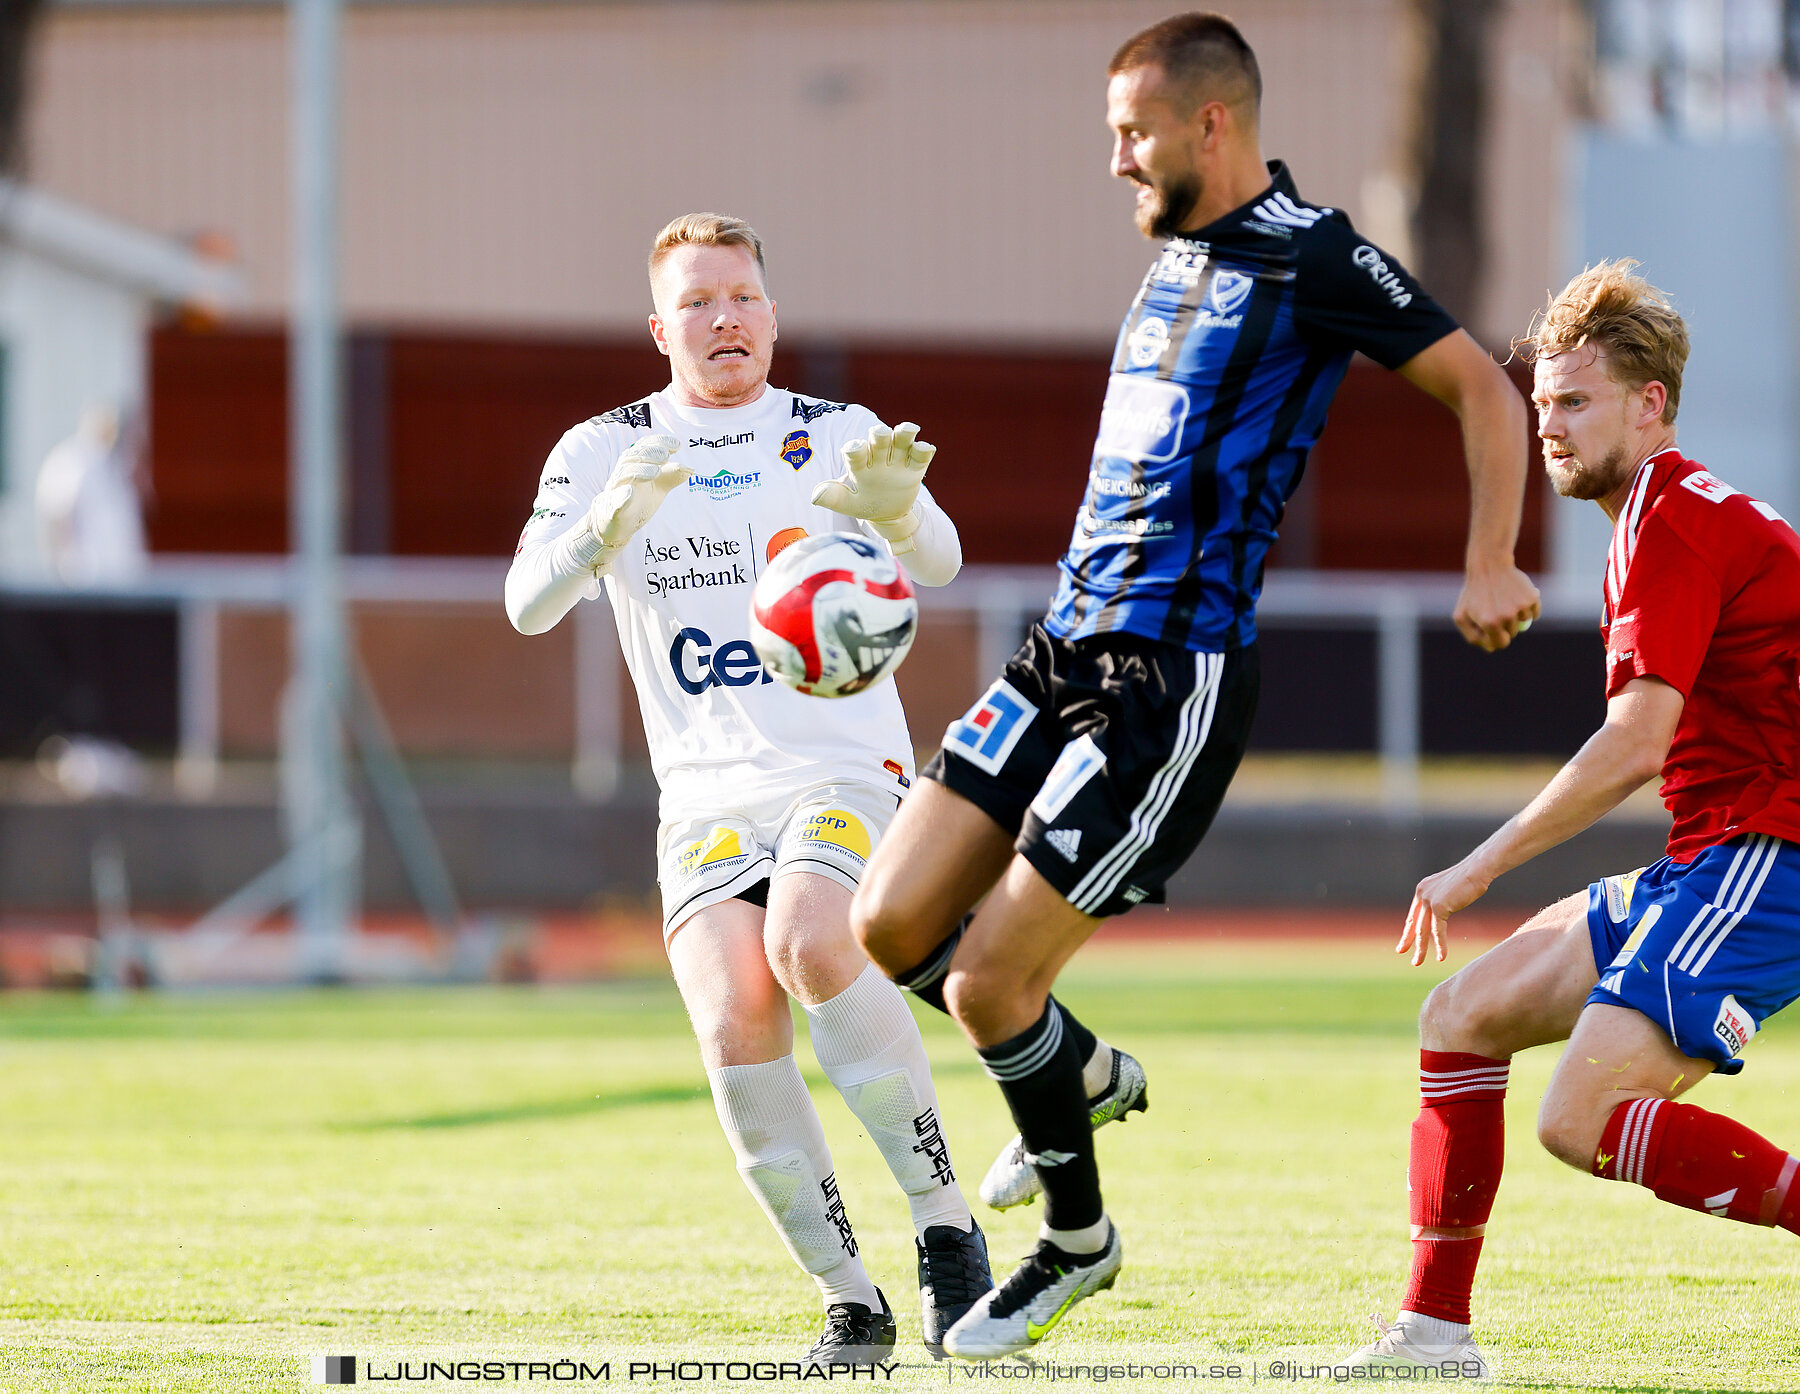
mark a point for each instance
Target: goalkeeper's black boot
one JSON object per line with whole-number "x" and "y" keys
{"x": 953, "y": 1274}
{"x": 854, "y": 1335}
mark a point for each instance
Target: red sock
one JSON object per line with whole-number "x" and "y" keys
{"x": 1458, "y": 1149}
{"x": 1700, "y": 1161}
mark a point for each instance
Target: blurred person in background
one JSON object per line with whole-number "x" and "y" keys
{"x": 1660, "y": 976}
{"x": 89, "y": 510}
{"x": 1090, "y": 771}
{"x": 771, "y": 800}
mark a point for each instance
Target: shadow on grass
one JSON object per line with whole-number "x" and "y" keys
{"x": 575, "y": 1108}
{"x": 525, "y": 1113}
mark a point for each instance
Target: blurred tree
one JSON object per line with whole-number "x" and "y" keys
{"x": 17, "y": 20}
{"x": 1446, "y": 147}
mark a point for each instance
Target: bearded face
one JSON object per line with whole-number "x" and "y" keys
{"x": 1575, "y": 478}
{"x": 1165, "y": 201}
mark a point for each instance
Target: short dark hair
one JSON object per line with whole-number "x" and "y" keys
{"x": 1203, "y": 55}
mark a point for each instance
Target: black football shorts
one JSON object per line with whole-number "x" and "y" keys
{"x": 1107, "y": 757}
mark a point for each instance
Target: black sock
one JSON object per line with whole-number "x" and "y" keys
{"x": 1039, "y": 1071}
{"x": 1084, "y": 1039}
{"x": 926, "y": 982}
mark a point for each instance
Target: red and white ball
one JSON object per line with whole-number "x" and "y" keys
{"x": 833, "y": 615}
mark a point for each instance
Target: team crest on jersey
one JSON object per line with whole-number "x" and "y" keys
{"x": 796, "y": 448}
{"x": 1229, "y": 290}
{"x": 985, "y": 737}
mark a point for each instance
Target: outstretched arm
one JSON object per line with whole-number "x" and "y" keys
{"x": 547, "y": 578}
{"x": 883, "y": 487}
{"x": 1497, "y": 599}
{"x": 1625, "y": 753}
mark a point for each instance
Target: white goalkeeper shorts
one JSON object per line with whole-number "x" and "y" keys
{"x": 830, "y": 830}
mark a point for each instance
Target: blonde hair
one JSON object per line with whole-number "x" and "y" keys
{"x": 707, "y": 230}
{"x": 1643, "y": 336}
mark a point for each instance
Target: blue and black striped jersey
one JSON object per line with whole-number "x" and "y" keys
{"x": 1224, "y": 369}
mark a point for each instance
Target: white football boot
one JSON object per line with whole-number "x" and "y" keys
{"x": 1020, "y": 1312}
{"x": 1011, "y": 1180}
{"x": 1398, "y": 1349}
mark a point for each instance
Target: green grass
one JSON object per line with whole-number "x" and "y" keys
{"x": 197, "y": 1193}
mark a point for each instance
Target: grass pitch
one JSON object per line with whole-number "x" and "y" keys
{"x": 199, "y": 1193}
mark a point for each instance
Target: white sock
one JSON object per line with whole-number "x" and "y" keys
{"x": 868, "y": 1045}
{"x": 1089, "y": 1240}
{"x": 1097, "y": 1073}
{"x": 773, "y": 1128}
{"x": 1431, "y": 1331}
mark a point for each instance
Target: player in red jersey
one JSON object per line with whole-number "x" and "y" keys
{"x": 1660, "y": 976}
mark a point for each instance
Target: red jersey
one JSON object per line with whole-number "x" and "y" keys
{"x": 1703, "y": 591}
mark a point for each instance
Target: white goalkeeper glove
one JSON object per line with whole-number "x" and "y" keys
{"x": 881, "y": 483}
{"x": 641, "y": 479}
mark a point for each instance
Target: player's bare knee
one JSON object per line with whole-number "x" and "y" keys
{"x": 1456, "y": 1017}
{"x": 975, "y": 1000}
{"x": 878, "y": 927}
{"x": 1566, "y": 1133}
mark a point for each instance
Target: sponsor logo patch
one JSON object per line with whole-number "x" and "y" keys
{"x": 782, "y": 540}
{"x": 1618, "y": 894}
{"x": 637, "y": 414}
{"x": 796, "y": 448}
{"x": 812, "y": 411}
{"x": 1079, "y": 762}
{"x": 1146, "y": 343}
{"x": 1141, "y": 419}
{"x": 1180, "y": 263}
{"x": 1395, "y": 289}
{"x": 724, "y": 484}
{"x": 1709, "y": 486}
{"x": 837, "y": 828}
{"x": 835, "y": 1213}
{"x": 895, "y": 768}
{"x": 986, "y": 735}
{"x": 720, "y": 847}
{"x": 720, "y": 442}
{"x": 932, "y": 1145}
{"x": 1733, "y": 1025}
{"x": 697, "y": 665}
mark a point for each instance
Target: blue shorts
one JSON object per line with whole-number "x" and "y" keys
{"x": 1707, "y": 949}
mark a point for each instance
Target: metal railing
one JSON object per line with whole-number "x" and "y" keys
{"x": 1002, "y": 600}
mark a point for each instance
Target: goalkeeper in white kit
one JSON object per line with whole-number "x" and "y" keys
{"x": 771, "y": 801}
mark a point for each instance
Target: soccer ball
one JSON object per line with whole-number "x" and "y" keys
{"x": 833, "y": 615}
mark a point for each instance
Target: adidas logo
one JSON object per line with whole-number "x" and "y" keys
{"x": 1064, "y": 840}
{"x": 1283, "y": 211}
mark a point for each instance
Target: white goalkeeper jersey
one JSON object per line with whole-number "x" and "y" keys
{"x": 721, "y": 731}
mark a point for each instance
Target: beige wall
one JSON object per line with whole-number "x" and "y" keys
{"x": 924, "y": 168}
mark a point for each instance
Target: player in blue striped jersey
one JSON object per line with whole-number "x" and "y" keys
{"x": 1090, "y": 770}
